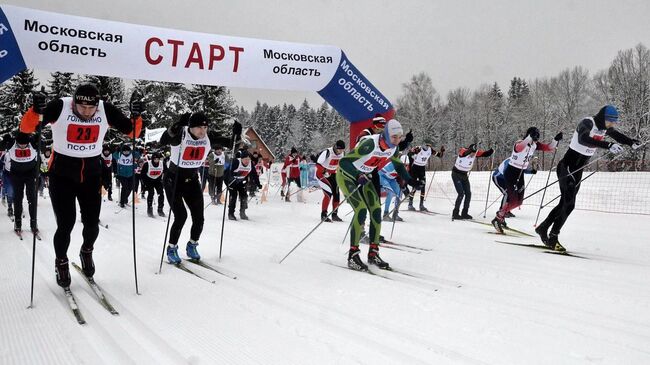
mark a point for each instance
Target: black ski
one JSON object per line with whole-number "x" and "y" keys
{"x": 566, "y": 253}
{"x": 182, "y": 267}
{"x": 342, "y": 266}
{"x": 393, "y": 243}
{"x": 72, "y": 302}
{"x": 97, "y": 291}
{"x": 523, "y": 244}
{"x": 215, "y": 269}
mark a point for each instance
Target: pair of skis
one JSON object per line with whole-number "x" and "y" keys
{"x": 181, "y": 266}
{"x": 99, "y": 294}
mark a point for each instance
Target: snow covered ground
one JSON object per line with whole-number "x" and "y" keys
{"x": 476, "y": 301}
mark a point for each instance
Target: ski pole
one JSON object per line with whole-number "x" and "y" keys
{"x": 487, "y": 196}
{"x": 173, "y": 195}
{"x": 236, "y": 133}
{"x": 134, "y": 96}
{"x": 559, "y": 196}
{"x": 319, "y": 223}
{"x": 548, "y": 178}
{"x": 38, "y": 170}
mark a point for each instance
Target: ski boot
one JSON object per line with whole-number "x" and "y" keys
{"x": 172, "y": 254}
{"x": 554, "y": 244}
{"x": 374, "y": 259}
{"x": 150, "y": 212}
{"x": 231, "y": 216}
{"x": 396, "y": 217}
{"x": 87, "y": 264}
{"x": 543, "y": 235}
{"x": 423, "y": 208}
{"x": 386, "y": 218}
{"x": 110, "y": 197}
{"x": 411, "y": 207}
{"x": 335, "y": 217}
{"x": 242, "y": 214}
{"x": 324, "y": 217}
{"x": 510, "y": 215}
{"x": 354, "y": 262}
{"x": 191, "y": 251}
{"x": 466, "y": 216}
{"x": 62, "y": 271}
{"x": 18, "y": 226}
{"x": 499, "y": 224}
{"x": 456, "y": 216}
{"x": 161, "y": 213}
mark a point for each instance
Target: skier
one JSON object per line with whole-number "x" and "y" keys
{"x": 292, "y": 164}
{"x": 587, "y": 138}
{"x": 7, "y": 188}
{"x": 389, "y": 182}
{"x": 79, "y": 124}
{"x": 370, "y": 154}
{"x": 499, "y": 177}
{"x": 236, "y": 180}
{"x": 151, "y": 174}
{"x": 43, "y": 180}
{"x": 216, "y": 171}
{"x": 459, "y": 175}
{"x": 326, "y": 165}
{"x": 107, "y": 171}
{"x": 420, "y": 158}
{"x": 23, "y": 160}
{"x": 190, "y": 145}
{"x": 522, "y": 153}
{"x": 124, "y": 160}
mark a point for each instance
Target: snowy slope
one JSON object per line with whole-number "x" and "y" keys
{"x": 478, "y": 301}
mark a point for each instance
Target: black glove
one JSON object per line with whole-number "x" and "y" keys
{"x": 259, "y": 186}
{"x": 488, "y": 153}
{"x": 136, "y": 106}
{"x": 363, "y": 179}
{"x": 558, "y": 137}
{"x": 472, "y": 148}
{"x": 236, "y": 131}
{"x": 39, "y": 102}
{"x": 409, "y": 137}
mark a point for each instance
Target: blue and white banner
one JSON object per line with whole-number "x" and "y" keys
{"x": 56, "y": 42}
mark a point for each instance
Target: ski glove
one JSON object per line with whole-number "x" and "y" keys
{"x": 488, "y": 153}
{"x": 136, "y": 108}
{"x": 38, "y": 99}
{"x": 558, "y": 137}
{"x": 615, "y": 148}
{"x": 636, "y": 144}
{"x": 409, "y": 137}
{"x": 472, "y": 147}
{"x": 363, "y": 179}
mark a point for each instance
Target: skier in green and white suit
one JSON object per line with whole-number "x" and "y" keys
{"x": 353, "y": 174}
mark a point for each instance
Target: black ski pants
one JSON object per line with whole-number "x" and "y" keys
{"x": 24, "y": 181}
{"x": 464, "y": 190}
{"x": 569, "y": 187}
{"x": 188, "y": 191}
{"x": 64, "y": 192}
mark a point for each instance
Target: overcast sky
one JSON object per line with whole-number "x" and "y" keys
{"x": 458, "y": 43}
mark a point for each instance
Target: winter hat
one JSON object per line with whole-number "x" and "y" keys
{"x": 393, "y": 128}
{"x": 156, "y": 155}
{"x": 244, "y": 154}
{"x": 533, "y": 132}
{"x": 610, "y": 113}
{"x": 22, "y": 138}
{"x": 126, "y": 148}
{"x": 86, "y": 94}
{"x": 340, "y": 145}
{"x": 198, "y": 119}
{"x": 294, "y": 150}
{"x": 378, "y": 121}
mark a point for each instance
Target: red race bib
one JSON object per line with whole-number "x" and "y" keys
{"x": 26, "y": 153}
{"x": 193, "y": 153}
{"x": 78, "y": 133}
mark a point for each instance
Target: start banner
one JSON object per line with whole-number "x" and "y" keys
{"x": 56, "y": 42}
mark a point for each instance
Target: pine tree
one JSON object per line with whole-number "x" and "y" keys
{"x": 305, "y": 125}
{"x": 15, "y": 98}
{"x": 164, "y": 101}
{"x": 62, "y": 84}
{"x": 216, "y": 102}
{"x": 111, "y": 89}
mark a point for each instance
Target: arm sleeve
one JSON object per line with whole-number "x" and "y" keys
{"x": 347, "y": 163}
{"x": 218, "y": 139}
{"x": 520, "y": 145}
{"x": 121, "y": 122}
{"x": 583, "y": 135}
{"x": 168, "y": 139}
{"x": 547, "y": 147}
{"x": 484, "y": 153}
{"x": 464, "y": 152}
{"x": 145, "y": 169}
{"x": 29, "y": 122}
{"x": 620, "y": 137}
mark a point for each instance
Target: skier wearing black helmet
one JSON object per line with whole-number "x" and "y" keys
{"x": 326, "y": 165}
{"x": 586, "y": 139}
{"x": 151, "y": 175}
{"x": 79, "y": 124}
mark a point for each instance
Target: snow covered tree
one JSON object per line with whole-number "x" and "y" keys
{"x": 15, "y": 98}
{"x": 306, "y": 124}
{"x": 111, "y": 89}
{"x": 62, "y": 84}
{"x": 165, "y": 101}
{"x": 418, "y": 107}
{"x": 216, "y": 102}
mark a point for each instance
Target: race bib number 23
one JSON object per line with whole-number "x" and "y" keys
{"x": 78, "y": 133}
